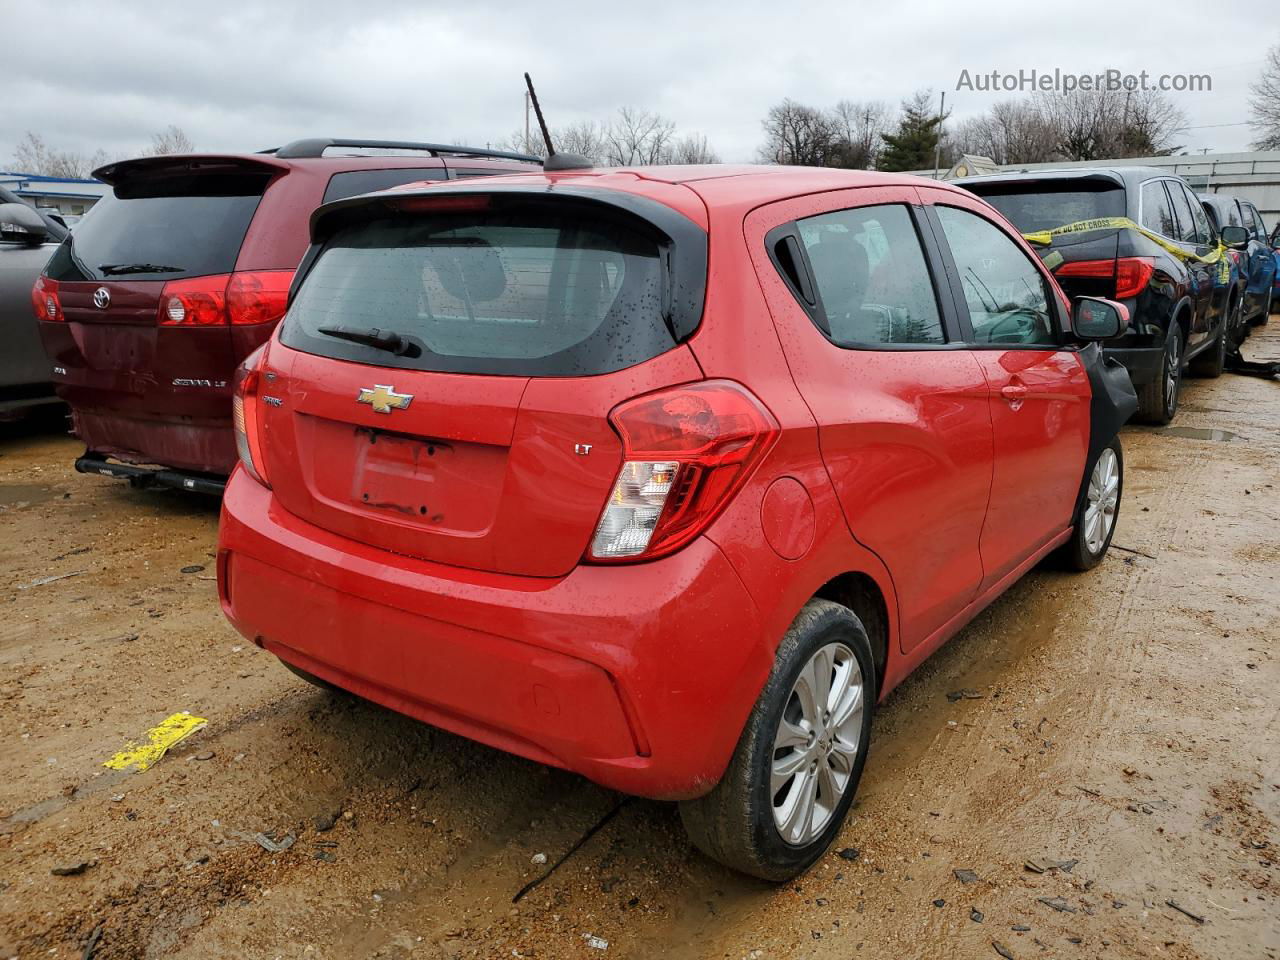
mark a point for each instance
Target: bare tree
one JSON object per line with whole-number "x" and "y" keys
{"x": 584, "y": 138}
{"x": 1013, "y": 131}
{"x": 799, "y": 135}
{"x": 692, "y": 149}
{"x": 172, "y": 139}
{"x": 1102, "y": 124}
{"x": 861, "y": 125}
{"x": 34, "y": 155}
{"x": 637, "y": 137}
{"x": 1265, "y": 103}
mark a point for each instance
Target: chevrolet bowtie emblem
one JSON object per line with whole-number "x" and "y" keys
{"x": 383, "y": 398}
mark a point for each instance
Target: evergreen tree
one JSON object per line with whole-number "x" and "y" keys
{"x": 913, "y": 146}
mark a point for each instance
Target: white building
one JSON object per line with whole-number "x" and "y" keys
{"x": 65, "y": 195}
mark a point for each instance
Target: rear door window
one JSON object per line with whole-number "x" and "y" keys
{"x": 1186, "y": 223}
{"x": 501, "y": 292}
{"x": 1203, "y": 232}
{"x": 354, "y": 182}
{"x": 162, "y": 228}
{"x": 871, "y": 275}
{"x": 1157, "y": 214}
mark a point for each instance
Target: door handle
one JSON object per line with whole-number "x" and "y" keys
{"x": 1014, "y": 392}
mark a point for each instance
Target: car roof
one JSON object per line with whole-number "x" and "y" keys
{"x": 714, "y": 185}
{"x": 1123, "y": 176}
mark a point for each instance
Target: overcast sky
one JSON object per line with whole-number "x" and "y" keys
{"x": 244, "y": 76}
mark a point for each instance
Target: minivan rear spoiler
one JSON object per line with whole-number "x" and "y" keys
{"x": 186, "y": 165}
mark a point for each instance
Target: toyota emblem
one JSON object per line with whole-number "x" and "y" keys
{"x": 102, "y": 298}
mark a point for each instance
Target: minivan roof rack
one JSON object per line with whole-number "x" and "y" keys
{"x": 314, "y": 147}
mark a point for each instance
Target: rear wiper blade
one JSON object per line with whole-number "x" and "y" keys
{"x": 115, "y": 269}
{"x": 386, "y": 340}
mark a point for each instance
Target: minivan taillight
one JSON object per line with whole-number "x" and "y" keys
{"x": 246, "y": 413}
{"x": 686, "y": 451}
{"x": 244, "y": 297}
{"x": 44, "y": 299}
{"x": 257, "y": 296}
{"x": 1132, "y": 274}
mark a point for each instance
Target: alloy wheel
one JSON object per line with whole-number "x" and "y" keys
{"x": 1102, "y": 500}
{"x": 816, "y": 744}
{"x": 1173, "y": 371}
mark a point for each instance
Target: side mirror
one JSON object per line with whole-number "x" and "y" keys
{"x": 20, "y": 222}
{"x": 1237, "y": 238}
{"x": 1093, "y": 318}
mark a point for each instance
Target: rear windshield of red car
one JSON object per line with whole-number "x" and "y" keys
{"x": 1040, "y": 205}
{"x": 529, "y": 293}
{"x": 162, "y": 228}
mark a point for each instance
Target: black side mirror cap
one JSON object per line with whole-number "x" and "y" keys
{"x": 1095, "y": 318}
{"x": 20, "y": 222}
{"x": 1237, "y": 238}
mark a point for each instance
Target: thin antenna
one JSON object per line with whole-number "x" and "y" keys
{"x": 546, "y": 134}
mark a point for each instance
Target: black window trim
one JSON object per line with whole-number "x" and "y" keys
{"x": 947, "y": 314}
{"x": 1060, "y": 320}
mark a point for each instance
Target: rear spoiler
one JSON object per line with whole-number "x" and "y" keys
{"x": 186, "y": 165}
{"x": 1048, "y": 176}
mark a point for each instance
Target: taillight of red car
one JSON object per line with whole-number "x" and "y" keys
{"x": 246, "y": 413}
{"x": 1132, "y": 274}
{"x": 686, "y": 452}
{"x": 244, "y": 297}
{"x": 44, "y": 299}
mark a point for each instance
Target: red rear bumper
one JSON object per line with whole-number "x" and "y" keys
{"x": 638, "y": 677}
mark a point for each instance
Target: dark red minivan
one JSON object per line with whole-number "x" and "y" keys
{"x": 665, "y": 476}
{"x": 180, "y": 272}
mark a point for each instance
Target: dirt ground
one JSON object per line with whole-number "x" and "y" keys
{"x": 1127, "y": 719}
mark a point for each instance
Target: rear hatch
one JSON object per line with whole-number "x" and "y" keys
{"x": 1043, "y": 204}
{"x": 148, "y": 293}
{"x": 447, "y": 366}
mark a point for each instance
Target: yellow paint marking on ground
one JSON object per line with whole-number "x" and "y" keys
{"x": 159, "y": 739}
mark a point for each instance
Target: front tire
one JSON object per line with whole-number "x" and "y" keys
{"x": 1210, "y": 364}
{"x": 798, "y": 762}
{"x": 1158, "y": 400}
{"x": 1095, "y": 521}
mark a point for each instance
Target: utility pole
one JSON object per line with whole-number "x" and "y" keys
{"x": 937, "y": 147}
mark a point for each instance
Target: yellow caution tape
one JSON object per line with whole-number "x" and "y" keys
{"x": 1219, "y": 256}
{"x": 159, "y": 739}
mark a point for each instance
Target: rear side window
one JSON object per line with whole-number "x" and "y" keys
{"x": 502, "y": 292}
{"x": 354, "y": 182}
{"x": 871, "y": 275}
{"x": 163, "y": 228}
{"x": 1044, "y": 205}
{"x": 1157, "y": 214}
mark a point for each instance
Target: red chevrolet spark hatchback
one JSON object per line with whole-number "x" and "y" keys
{"x": 665, "y": 476}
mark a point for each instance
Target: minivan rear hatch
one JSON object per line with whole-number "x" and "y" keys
{"x": 148, "y": 294}
{"x": 444, "y": 375}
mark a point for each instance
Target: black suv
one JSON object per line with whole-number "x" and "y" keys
{"x": 1179, "y": 308}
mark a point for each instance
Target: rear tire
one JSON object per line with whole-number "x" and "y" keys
{"x": 1095, "y": 521}
{"x": 1158, "y": 400}
{"x": 800, "y": 757}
